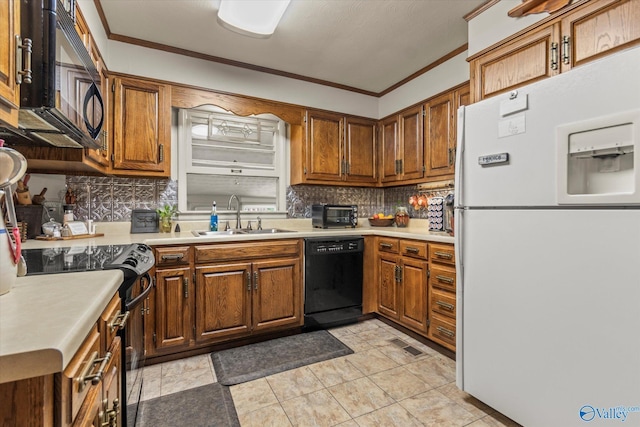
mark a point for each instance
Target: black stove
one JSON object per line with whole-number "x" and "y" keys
{"x": 133, "y": 259}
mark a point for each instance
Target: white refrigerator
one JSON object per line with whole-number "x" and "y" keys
{"x": 547, "y": 229}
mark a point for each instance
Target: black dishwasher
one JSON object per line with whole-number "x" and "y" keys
{"x": 333, "y": 281}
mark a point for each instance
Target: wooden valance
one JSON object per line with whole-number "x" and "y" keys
{"x": 529, "y": 7}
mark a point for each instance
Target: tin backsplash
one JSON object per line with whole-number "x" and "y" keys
{"x": 107, "y": 199}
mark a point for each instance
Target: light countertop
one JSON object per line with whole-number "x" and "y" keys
{"x": 45, "y": 318}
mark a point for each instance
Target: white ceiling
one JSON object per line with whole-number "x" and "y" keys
{"x": 369, "y": 45}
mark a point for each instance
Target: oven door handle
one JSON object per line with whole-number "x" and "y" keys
{"x": 151, "y": 284}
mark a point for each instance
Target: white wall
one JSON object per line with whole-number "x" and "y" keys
{"x": 494, "y": 25}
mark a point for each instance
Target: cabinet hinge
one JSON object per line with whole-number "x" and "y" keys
{"x": 424, "y": 168}
{"x": 113, "y": 157}
{"x": 304, "y": 170}
{"x": 113, "y": 87}
{"x": 428, "y": 273}
{"x": 194, "y": 330}
{"x": 154, "y": 338}
{"x": 194, "y": 277}
{"x": 428, "y": 322}
{"x": 424, "y": 112}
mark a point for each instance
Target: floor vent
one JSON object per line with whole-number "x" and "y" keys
{"x": 412, "y": 350}
{"x": 398, "y": 342}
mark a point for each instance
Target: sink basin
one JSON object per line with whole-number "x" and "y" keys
{"x": 217, "y": 233}
{"x": 240, "y": 231}
{"x": 268, "y": 231}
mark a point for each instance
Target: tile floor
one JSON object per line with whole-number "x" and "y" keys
{"x": 380, "y": 384}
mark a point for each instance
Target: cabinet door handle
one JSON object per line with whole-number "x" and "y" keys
{"x": 445, "y": 279}
{"x": 119, "y": 321}
{"x": 554, "y": 56}
{"x": 86, "y": 376}
{"x": 445, "y": 331}
{"x": 161, "y": 153}
{"x": 445, "y": 305}
{"x": 443, "y": 255}
{"x": 172, "y": 257}
{"x": 185, "y": 287}
{"x": 23, "y": 69}
{"x": 255, "y": 280}
{"x": 566, "y": 49}
{"x": 248, "y": 281}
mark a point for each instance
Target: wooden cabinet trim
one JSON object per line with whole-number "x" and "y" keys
{"x": 214, "y": 253}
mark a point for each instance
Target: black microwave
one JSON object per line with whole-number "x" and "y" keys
{"x": 328, "y": 216}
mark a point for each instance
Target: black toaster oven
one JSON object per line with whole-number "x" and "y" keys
{"x": 328, "y": 216}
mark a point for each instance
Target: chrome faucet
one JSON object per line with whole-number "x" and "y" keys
{"x": 238, "y": 223}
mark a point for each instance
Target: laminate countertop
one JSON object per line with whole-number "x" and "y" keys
{"x": 44, "y": 319}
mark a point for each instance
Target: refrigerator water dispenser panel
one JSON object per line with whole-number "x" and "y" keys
{"x": 597, "y": 160}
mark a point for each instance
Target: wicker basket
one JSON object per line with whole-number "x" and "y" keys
{"x": 381, "y": 222}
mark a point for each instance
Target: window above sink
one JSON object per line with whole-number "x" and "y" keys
{"x": 221, "y": 154}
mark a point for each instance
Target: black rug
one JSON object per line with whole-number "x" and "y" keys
{"x": 249, "y": 362}
{"x": 210, "y": 405}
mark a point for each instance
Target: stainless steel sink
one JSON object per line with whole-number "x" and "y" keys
{"x": 239, "y": 231}
{"x": 217, "y": 233}
{"x": 268, "y": 231}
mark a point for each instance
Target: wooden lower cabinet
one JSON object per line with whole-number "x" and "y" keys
{"x": 402, "y": 291}
{"x": 416, "y": 287}
{"x": 209, "y": 293}
{"x": 79, "y": 395}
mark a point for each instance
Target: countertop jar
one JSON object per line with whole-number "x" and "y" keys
{"x": 402, "y": 217}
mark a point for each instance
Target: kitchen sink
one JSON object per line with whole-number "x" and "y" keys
{"x": 240, "y": 231}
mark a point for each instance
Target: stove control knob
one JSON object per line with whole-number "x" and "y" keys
{"x": 131, "y": 261}
{"x": 142, "y": 248}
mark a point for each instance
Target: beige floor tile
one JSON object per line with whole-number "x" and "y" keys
{"x": 376, "y": 337}
{"x": 335, "y": 371}
{"x": 364, "y": 326}
{"x": 315, "y": 409}
{"x": 433, "y": 370}
{"x": 153, "y": 372}
{"x": 360, "y": 396}
{"x": 269, "y": 416}
{"x": 340, "y": 331}
{"x": 433, "y": 408}
{"x": 355, "y": 343}
{"x": 389, "y": 416}
{"x": 399, "y": 383}
{"x": 371, "y": 362}
{"x": 150, "y": 388}
{"x": 350, "y": 423}
{"x": 494, "y": 420}
{"x": 289, "y": 384}
{"x": 182, "y": 366}
{"x": 468, "y": 402}
{"x": 187, "y": 380}
{"x": 252, "y": 395}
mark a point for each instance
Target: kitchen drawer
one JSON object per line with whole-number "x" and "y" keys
{"x": 246, "y": 251}
{"x": 443, "y": 303}
{"x": 171, "y": 256}
{"x": 413, "y": 249}
{"x": 443, "y": 254}
{"x": 74, "y": 390}
{"x": 443, "y": 331}
{"x": 442, "y": 277}
{"x": 388, "y": 245}
{"x": 110, "y": 322}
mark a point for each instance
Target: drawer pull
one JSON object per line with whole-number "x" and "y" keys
{"x": 386, "y": 245}
{"x": 86, "y": 376}
{"x": 445, "y": 279}
{"x": 119, "y": 321}
{"x": 171, "y": 257}
{"x": 445, "y": 305}
{"x": 445, "y": 331}
{"x": 445, "y": 255}
{"x": 412, "y": 250}
{"x": 110, "y": 416}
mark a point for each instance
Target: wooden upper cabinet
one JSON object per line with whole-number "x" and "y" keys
{"x": 360, "y": 150}
{"x": 575, "y": 36}
{"x": 141, "y": 127}
{"x": 324, "y": 146}
{"x": 9, "y": 89}
{"x": 597, "y": 29}
{"x": 336, "y": 149}
{"x": 529, "y": 58}
{"x": 439, "y": 135}
{"x": 402, "y": 146}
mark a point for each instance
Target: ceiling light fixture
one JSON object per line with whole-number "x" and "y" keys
{"x": 254, "y": 18}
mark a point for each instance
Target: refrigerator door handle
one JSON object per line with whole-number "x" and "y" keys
{"x": 458, "y": 242}
{"x": 457, "y": 191}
